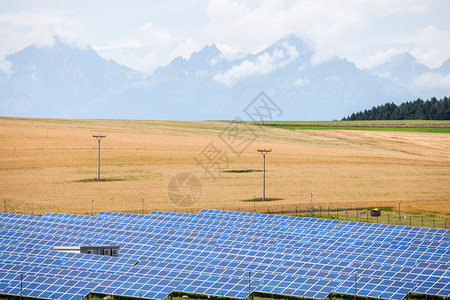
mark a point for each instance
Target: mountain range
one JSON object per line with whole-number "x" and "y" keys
{"x": 63, "y": 81}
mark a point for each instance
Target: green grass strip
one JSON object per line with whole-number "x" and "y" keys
{"x": 367, "y": 128}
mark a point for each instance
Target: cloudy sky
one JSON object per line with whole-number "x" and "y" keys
{"x": 146, "y": 34}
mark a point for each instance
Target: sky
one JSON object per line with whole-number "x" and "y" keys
{"x": 146, "y": 34}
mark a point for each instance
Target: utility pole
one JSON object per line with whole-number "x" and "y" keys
{"x": 399, "y": 218}
{"x": 264, "y": 152}
{"x": 254, "y": 203}
{"x": 99, "y": 138}
{"x": 311, "y": 210}
{"x": 92, "y": 212}
{"x": 21, "y": 279}
{"x": 249, "y": 282}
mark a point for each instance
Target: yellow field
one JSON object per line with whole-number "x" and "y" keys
{"x": 43, "y": 163}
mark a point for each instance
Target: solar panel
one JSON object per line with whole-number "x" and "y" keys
{"x": 213, "y": 251}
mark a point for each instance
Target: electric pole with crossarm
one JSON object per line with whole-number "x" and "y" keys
{"x": 99, "y": 138}
{"x": 264, "y": 152}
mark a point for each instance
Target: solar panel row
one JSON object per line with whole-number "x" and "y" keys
{"x": 213, "y": 251}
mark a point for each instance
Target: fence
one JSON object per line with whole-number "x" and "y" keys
{"x": 354, "y": 214}
{"x": 357, "y": 215}
{"x": 363, "y": 215}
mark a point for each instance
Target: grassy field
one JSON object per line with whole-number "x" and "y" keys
{"x": 405, "y": 125}
{"x": 51, "y": 164}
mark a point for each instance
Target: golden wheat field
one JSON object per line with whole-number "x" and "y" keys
{"x": 46, "y": 166}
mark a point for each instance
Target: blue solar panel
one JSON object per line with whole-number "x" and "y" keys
{"x": 212, "y": 252}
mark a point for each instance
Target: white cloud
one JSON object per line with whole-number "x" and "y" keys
{"x": 380, "y": 58}
{"x": 353, "y": 29}
{"x": 5, "y": 66}
{"x": 433, "y": 80}
{"x": 147, "y": 48}
{"x": 301, "y": 82}
{"x": 244, "y": 28}
{"x": 430, "y": 45}
{"x": 230, "y": 53}
{"x": 39, "y": 17}
{"x": 22, "y": 28}
{"x": 264, "y": 64}
{"x": 149, "y": 34}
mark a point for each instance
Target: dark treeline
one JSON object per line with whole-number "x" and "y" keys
{"x": 414, "y": 110}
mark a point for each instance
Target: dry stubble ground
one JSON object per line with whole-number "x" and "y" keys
{"x": 43, "y": 161}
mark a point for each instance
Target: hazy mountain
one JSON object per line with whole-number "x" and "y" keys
{"x": 423, "y": 82}
{"x": 60, "y": 81}
{"x": 63, "y": 81}
{"x": 208, "y": 86}
{"x": 444, "y": 69}
{"x": 400, "y": 67}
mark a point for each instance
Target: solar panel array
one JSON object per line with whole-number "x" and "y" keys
{"x": 220, "y": 253}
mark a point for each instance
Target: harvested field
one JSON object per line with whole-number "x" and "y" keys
{"x": 49, "y": 164}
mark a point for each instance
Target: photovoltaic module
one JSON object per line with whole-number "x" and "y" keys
{"x": 220, "y": 253}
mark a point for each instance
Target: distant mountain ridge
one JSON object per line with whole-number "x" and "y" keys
{"x": 64, "y": 81}
{"x": 60, "y": 81}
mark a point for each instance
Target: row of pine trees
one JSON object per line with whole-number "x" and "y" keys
{"x": 419, "y": 109}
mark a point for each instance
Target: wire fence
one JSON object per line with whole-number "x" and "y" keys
{"x": 344, "y": 214}
{"x": 388, "y": 217}
{"x": 364, "y": 215}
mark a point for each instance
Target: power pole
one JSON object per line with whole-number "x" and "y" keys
{"x": 264, "y": 152}
{"x": 249, "y": 282}
{"x": 399, "y": 218}
{"x": 99, "y": 138}
{"x": 21, "y": 279}
{"x": 311, "y": 209}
